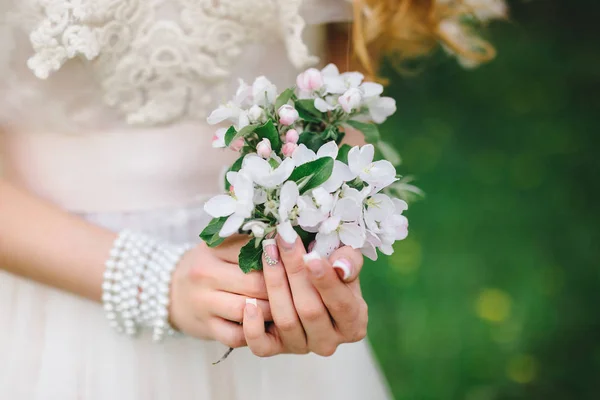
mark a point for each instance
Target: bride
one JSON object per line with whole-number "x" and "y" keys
{"x": 106, "y": 162}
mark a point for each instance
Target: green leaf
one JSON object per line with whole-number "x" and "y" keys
{"x": 370, "y": 131}
{"x": 307, "y": 237}
{"x": 268, "y": 131}
{"x": 307, "y": 111}
{"x": 312, "y": 140}
{"x": 231, "y": 135}
{"x": 312, "y": 174}
{"x": 250, "y": 258}
{"x": 210, "y": 234}
{"x": 237, "y": 165}
{"x": 343, "y": 153}
{"x": 388, "y": 152}
{"x": 284, "y": 98}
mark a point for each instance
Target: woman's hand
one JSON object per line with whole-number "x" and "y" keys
{"x": 313, "y": 309}
{"x": 208, "y": 295}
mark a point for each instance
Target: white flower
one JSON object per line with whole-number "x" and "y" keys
{"x": 287, "y": 114}
{"x": 341, "y": 228}
{"x": 350, "y": 100}
{"x": 228, "y": 112}
{"x": 310, "y": 80}
{"x": 326, "y": 104}
{"x": 288, "y": 198}
{"x": 256, "y": 114}
{"x": 263, "y": 148}
{"x": 258, "y": 228}
{"x": 380, "y": 108}
{"x": 336, "y": 83}
{"x": 314, "y": 209}
{"x": 264, "y": 92}
{"x": 378, "y": 174}
{"x": 218, "y": 140}
{"x": 263, "y": 174}
{"x": 237, "y": 206}
{"x": 385, "y": 222}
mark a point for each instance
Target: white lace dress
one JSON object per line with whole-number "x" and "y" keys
{"x": 102, "y": 108}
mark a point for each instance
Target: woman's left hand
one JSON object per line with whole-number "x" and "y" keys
{"x": 315, "y": 308}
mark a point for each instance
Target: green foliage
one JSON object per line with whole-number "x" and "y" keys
{"x": 307, "y": 111}
{"x": 268, "y": 131}
{"x": 210, "y": 234}
{"x": 284, "y": 98}
{"x": 250, "y": 258}
{"x": 312, "y": 174}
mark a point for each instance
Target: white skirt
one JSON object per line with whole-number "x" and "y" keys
{"x": 55, "y": 346}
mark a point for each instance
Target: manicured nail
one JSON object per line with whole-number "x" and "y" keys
{"x": 251, "y": 308}
{"x": 271, "y": 252}
{"x": 344, "y": 266}
{"x": 314, "y": 264}
{"x": 313, "y": 255}
{"x": 285, "y": 245}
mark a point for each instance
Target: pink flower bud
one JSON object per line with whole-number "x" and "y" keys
{"x": 237, "y": 144}
{"x": 350, "y": 100}
{"x": 310, "y": 80}
{"x": 289, "y": 148}
{"x": 264, "y": 149}
{"x": 292, "y": 136}
{"x": 287, "y": 115}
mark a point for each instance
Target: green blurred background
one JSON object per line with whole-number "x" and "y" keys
{"x": 495, "y": 293}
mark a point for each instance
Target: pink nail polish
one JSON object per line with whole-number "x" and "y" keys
{"x": 344, "y": 266}
{"x": 271, "y": 253}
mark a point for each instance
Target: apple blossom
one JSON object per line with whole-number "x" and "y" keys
{"x": 258, "y": 228}
{"x": 310, "y": 80}
{"x": 378, "y": 174}
{"x": 264, "y": 92}
{"x": 287, "y": 115}
{"x": 237, "y": 205}
{"x": 292, "y": 136}
{"x": 263, "y": 174}
{"x": 342, "y": 227}
{"x": 288, "y": 198}
{"x": 237, "y": 144}
{"x": 218, "y": 141}
{"x": 350, "y": 100}
{"x": 289, "y": 148}
{"x": 256, "y": 114}
{"x": 264, "y": 149}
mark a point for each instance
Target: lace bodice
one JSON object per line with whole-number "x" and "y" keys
{"x": 93, "y": 64}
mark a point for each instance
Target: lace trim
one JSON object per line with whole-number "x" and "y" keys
{"x": 152, "y": 69}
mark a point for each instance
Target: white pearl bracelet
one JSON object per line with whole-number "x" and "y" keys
{"x": 136, "y": 286}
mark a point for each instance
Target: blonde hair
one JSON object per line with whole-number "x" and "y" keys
{"x": 408, "y": 29}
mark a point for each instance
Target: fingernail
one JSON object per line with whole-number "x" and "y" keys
{"x": 313, "y": 255}
{"x": 314, "y": 264}
{"x": 251, "y": 306}
{"x": 344, "y": 266}
{"x": 285, "y": 245}
{"x": 271, "y": 252}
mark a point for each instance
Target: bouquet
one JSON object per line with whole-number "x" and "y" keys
{"x": 294, "y": 177}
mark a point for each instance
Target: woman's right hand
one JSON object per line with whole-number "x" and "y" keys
{"x": 208, "y": 295}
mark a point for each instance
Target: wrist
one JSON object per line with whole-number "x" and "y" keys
{"x": 136, "y": 287}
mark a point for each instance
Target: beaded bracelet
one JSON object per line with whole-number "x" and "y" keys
{"x": 136, "y": 286}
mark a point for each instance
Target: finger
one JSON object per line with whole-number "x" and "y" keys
{"x": 348, "y": 263}
{"x": 230, "y": 278}
{"x": 229, "y": 333}
{"x": 231, "y": 306}
{"x": 260, "y": 342}
{"x": 311, "y": 310}
{"x": 229, "y": 250}
{"x": 347, "y": 310}
{"x": 283, "y": 310}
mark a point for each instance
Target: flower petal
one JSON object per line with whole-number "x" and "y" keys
{"x": 352, "y": 235}
{"x": 302, "y": 155}
{"x": 371, "y": 89}
{"x": 329, "y": 225}
{"x": 231, "y": 226}
{"x": 287, "y": 232}
{"x": 288, "y": 198}
{"x": 220, "y": 206}
{"x": 329, "y": 149}
{"x": 341, "y": 173}
{"x": 326, "y": 244}
{"x": 381, "y": 108}
{"x": 347, "y": 209}
{"x": 322, "y": 105}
